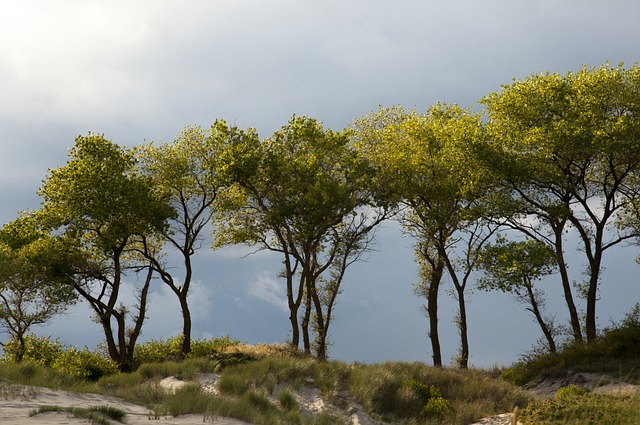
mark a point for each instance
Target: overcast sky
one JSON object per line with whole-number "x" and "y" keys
{"x": 142, "y": 70}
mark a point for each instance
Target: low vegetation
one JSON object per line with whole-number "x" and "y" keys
{"x": 101, "y": 415}
{"x": 616, "y": 351}
{"x": 273, "y": 384}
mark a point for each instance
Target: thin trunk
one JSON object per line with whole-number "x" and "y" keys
{"x": 293, "y": 301}
{"x": 463, "y": 360}
{"x": 186, "y": 325}
{"x": 22, "y": 349}
{"x": 184, "y": 305}
{"x": 592, "y": 298}
{"x": 538, "y": 315}
{"x": 432, "y": 311}
{"x": 566, "y": 286}
{"x": 134, "y": 333}
{"x": 306, "y": 320}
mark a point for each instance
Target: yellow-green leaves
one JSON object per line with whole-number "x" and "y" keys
{"x": 99, "y": 195}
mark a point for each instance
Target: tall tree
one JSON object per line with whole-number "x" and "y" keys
{"x": 514, "y": 266}
{"x": 184, "y": 171}
{"x": 103, "y": 209}
{"x": 429, "y": 162}
{"x": 34, "y": 279}
{"x": 569, "y": 149}
{"x": 304, "y": 195}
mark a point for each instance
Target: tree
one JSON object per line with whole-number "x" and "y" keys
{"x": 102, "y": 209}
{"x": 429, "y": 163}
{"x": 303, "y": 195}
{"x": 569, "y": 150}
{"x": 184, "y": 172}
{"x": 513, "y": 267}
{"x": 34, "y": 279}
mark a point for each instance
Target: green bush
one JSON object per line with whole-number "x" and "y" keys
{"x": 435, "y": 406}
{"x": 574, "y": 405}
{"x": 617, "y": 343}
{"x": 84, "y": 364}
{"x": 156, "y": 351}
{"x": 38, "y": 349}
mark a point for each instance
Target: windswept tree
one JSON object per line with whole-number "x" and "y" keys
{"x": 184, "y": 172}
{"x": 34, "y": 279}
{"x": 103, "y": 210}
{"x": 514, "y": 267}
{"x": 430, "y": 165}
{"x": 303, "y": 194}
{"x": 569, "y": 152}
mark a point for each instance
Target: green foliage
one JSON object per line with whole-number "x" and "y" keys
{"x": 34, "y": 278}
{"x": 36, "y": 375}
{"x": 287, "y": 401}
{"x": 84, "y": 364}
{"x": 397, "y": 390}
{"x": 96, "y": 415}
{"x": 574, "y": 405}
{"x": 303, "y": 193}
{"x": 155, "y": 351}
{"x": 188, "y": 399}
{"x": 616, "y": 344}
{"x": 567, "y": 147}
{"x": 434, "y": 404}
{"x": 41, "y": 350}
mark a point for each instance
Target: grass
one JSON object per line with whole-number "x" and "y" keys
{"x": 96, "y": 415}
{"x": 616, "y": 354}
{"x": 259, "y": 385}
{"x": 574, "y": 405}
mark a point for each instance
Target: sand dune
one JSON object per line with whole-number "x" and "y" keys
{"x": 15, "y": 409}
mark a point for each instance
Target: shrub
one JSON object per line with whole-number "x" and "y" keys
{"x": 84, "y": 364}
{"x": 618, "y": 342}
{"x": 38, "y": 349}
{"x": 575, "y": 405}
{"x": 431, "y": 398}
{"x": 156, "y": 351}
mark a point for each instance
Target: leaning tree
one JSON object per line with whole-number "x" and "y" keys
{"x": 568, "y": 149}
{"x": 102, "y": 209}
{"x": 34, "y": 279}
{"x": 430, "y": 164}
{"x": 303, "y": 193}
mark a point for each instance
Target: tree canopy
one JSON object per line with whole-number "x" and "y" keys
{"x": 552, "y": 159}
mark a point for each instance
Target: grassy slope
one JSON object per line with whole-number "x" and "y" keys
{"x": 258, "y": 385}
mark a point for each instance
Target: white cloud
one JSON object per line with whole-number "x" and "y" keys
{"x": 268, "y": 289}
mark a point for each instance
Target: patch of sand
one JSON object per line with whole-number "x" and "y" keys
{"x": 15, "y": 410}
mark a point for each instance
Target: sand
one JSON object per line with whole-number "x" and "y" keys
{"x": 15, "y": 410}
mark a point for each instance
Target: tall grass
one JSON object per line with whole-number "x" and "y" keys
{"x": 615, "y": 351}
{"x": 100, "y": 415}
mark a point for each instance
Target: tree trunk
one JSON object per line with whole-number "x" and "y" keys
{"x": 538, "y": 315}
{"x": 463, "y": 360}
{"x": 566, "y": 286}
{"x": 306, "y": 320}
{"x": 186, "y": 324}
{"x": 592, "y": 298}
{"x": 21, "y": 349}
{"x": 432, "y": 311}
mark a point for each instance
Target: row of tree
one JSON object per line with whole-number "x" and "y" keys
{"x": 494, "y": 191}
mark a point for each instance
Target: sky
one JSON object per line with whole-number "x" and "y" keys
{"x": 140, "y": 71}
